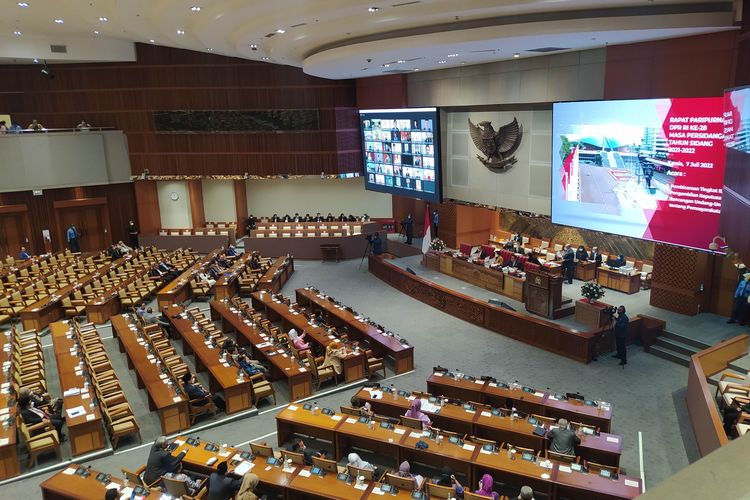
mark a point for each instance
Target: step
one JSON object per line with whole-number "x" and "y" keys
{"x": 669, "y": 355}
{"x": 685, "y": 340}
{"x": 676, "y": 346}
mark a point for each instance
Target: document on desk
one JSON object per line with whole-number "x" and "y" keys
{"x": 243, "y": 468}
{"x": 76, "y": 411}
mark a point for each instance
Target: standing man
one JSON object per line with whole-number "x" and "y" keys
{"x": 568, "y": 263}
{"x": 133, "y": 235}
{"x": 595, "y": 256}
{"x": 73, "y": 236}
{"x": 621, "y": 332}
{"x": 408, "y": 225}
{"x": 741, "y": 294}
{"x": 435, "y": 221}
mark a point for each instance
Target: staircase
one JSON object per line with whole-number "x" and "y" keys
{"x": 676, "y": 348}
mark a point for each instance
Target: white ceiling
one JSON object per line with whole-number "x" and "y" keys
{"x": 335, "y": 38}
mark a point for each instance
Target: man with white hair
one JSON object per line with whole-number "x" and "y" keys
{"x": 526, "y": 493}
{"x": 160, "y": 461}
{"x": 562, "y": 439}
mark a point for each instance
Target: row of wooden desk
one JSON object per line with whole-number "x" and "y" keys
{"x": 399, "y": 443}
{"x": 171, "y": 407}
{"x": 277, "y": 275}
{"x": 603, "y": 448}
{"x": 9, "y": 464}
{"x": 355, "y": 364}
{"x": 227, "y": 285}
{"x": 179, "y": 290}
{"x": 381, "y": 343}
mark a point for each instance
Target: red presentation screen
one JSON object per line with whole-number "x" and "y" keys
{"x": 651, "y": 168}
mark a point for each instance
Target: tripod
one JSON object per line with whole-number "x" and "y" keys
{"x": 606, "y": 333}
{"x": 403, "y": 231}
{"x": 368, "y": 251}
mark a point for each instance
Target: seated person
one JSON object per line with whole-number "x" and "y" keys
{"x": 247, "y": 488}
{"x": 274, "y": 218}
{"x": 329, "y": 217}
{"x": 342, "y": 217}
{"x": 530, "y": 257}
{"x": 151, "y": 318}
{"x": 114, "y": 252}
{"x": 486, "y": 485}
{"x": 318, "y": 217}
{"x": 562, "y": 439}
{"x": 232, "y": 251}
{"x": 355, "y": 461}
{"x": 24, "y": 255}
{"x": 351, "y": 218}
{"x": 40, "y": 399}
{"x": 526, "y": 493}
{"x": 415, "y": 411}
{"x": 404, "y": 470}
{"x": 206, "y": 279}
{"x": 221, "y": 487}
{"x": 250, "y": 223}
{"x": 83, "y": 126}
{"x": 364, "y": 406}
{"x": 178, "y": 475}
{"x": 124, "y": 249}
{"x": 365, "y": 218}
{"x": 243, "y": 360}
{"x": 514, "y": 263}
{"x": 616, "y": 262}
{"x": 286, "y": 218}
{"x": 298, "y": 446}
{"x": 254, "y": 261}
{"x": 335, "y": 353}
{"x": 448, "y": 479}
{"x": 160, "y": 461}
{"x": 509, "y": 245}
{"x": 32, "y": 415}
{"x": 35, "y": 126}
{"x": 296, "y": 217}
{"x": 195, "y": 390}
{"x": 493, "y": 261}
{"x": 581, "y": 254}
{"x": 298, "y": 340}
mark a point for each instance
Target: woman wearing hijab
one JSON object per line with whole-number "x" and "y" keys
{"x": 448, "y": 479}
{"x": 298, "y": 340}
{"x": 485, "y": 487}
{"x": 247, "y": 489}
{"x": 335, "y": 352}
{"x": 404, "y": 470}
{"x": 415, "y": 411}
{"x": 357, "y": 462}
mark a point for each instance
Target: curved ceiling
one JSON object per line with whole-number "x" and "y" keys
{"x": 346, "y": 38}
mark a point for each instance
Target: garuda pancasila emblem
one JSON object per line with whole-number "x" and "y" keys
{"x": 497, "y": 147}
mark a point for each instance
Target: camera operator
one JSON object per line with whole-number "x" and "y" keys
{"x": 376, "y": 242}
{"x": 621, "y": 332}
{"x": 408, "y": 227}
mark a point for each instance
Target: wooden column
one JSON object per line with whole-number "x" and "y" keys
{"x": 197, "y": 212}
{"x": 240, "y": 203}
{"x": 680, "y": 279}
{"x": 147, "y": 203}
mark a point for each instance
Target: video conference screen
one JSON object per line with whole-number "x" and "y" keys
{"x": 650, "y": 169}
{"x": 402, "y": 152}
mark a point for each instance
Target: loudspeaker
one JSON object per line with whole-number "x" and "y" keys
{"x": 500, "y": 303}
{"x": 410, "y": 271}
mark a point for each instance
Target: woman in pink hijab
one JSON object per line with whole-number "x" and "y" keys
{"x": 415, "y": 411}
{"x": 485, "y": 487}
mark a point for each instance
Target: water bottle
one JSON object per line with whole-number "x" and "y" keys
{"x": 393, "y": 392}
{"x": 316, "y": 409}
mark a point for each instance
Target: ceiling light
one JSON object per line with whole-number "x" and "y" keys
{"x": 152, "y": 40}
{"x": 17, "y": 33}
{"x": 400, "y": 61}
{"x": 195, "y": 8}
{"x": 280, "y": 31}
{"x": 253, "y": 46}
{"x": 373, "y": 9}
{"x": 386, "y": 65}
{"x": 180, "y": 32}
{"x": 210, "y": 49}
{"x": 516, "y": 55}
{"x": 104, "y": 19}
{"x": 59, "y": 21}
{"x": 36, "y": 61}
{"x": 452, "y": 55}
{"x": 416, "y": 69}
{"x": 442, "y": 62}
{"x": 96, "y": 32}
{"x": 265, "y": 58}
{"x": 23, "y": 5}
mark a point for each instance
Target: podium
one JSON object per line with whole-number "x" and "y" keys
{"x": 543, "y": 294}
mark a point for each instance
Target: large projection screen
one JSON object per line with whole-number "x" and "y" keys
{"x": 650, "y": 169}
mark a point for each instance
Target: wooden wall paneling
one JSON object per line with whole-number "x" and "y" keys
{"x": 678, "y": 276}
{"x": 240, "y": 202}
{"x": 720, "y": 290}
{"x": 197, "y": 211}
{"x": 447, "y": 219}
{"x": 14, "y": 229}
{"x": 388, "y": 91}
{"x": 91, "y": 218}
{"x": 473, "y": 224}
{"x": 147, "y": 201}
{"x": 403, "y": 206}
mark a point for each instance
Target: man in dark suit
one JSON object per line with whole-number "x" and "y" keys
{"x": 221, "y": 487}
{"x": 195, "y": 391}
{"x": 32, "y": 415}
{"x": 408, "y": 225}
{"x": 563, "y": 440}
{"x": 160, "y": 461}
{"x": 621, "y": 333}
{"x": 568, "y": 263}
{"x": 595, "y": 256}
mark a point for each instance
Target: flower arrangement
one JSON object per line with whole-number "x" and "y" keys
{"x": 592, "y": 291}
{"x": 437, "y": 245}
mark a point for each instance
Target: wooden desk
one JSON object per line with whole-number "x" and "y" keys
{"x": 470, "y": 460}
{"x": 227, "y": 285}
{"x": 282, "y": 366}
{"x": 85, "y": 431}
{"x": 355, "y": 364}
{"x": 541, "y": 403}
{"x": 614, "y": 279}
{"x": 476, "y": 274}
{"x": 585, "y": 270}
{"x": 592, "y": 314}
{"x": 222, "y": 376}
{"x": 604, "y": 448}
{"x": 172, "y": 408}
{"x": 66, "y": 485}
{"x": 380, "y": 343}
{"x": 330, "y": 252}
{"x": 277, "y": 275}
{"x": 179, "y": 290}
{"x": 9, "y": 463}
{"x": 305, "y": 485}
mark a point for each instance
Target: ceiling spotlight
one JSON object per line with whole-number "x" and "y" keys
{"x": 46, "y": 72}
{"x": 280, "y": 31}
{"x": 516, "y": 55}
{"x": 265, "y": 58}
{"x": 400, "y": 61}
{"x": 373, "y": 9}
{"x": 152, "y": 40}
{"x": 17, "y": 33}
{"x": 180, "y": 32}
{"x": 253, "y": 46}
{"x": 195, "y": 8}
{"x": 104, "y": 19}
{"x": 96, "y": 32}
{"x": 416, "y": 69}
{"x": 36, "y": 61}
{"x": 59, "y": 21}
{"x": 23, "y": 5}
{"x": 442, "y": 62}
{"x": 210, "y": 49}
{"x": 386, "y": 65}
{"x": 452, "y": 55}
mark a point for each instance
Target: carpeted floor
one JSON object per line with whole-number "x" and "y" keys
{"x": 647, "y": 396}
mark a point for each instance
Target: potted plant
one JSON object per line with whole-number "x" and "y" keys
{"x": 437, "y": 245}
{"x": 592, "y": 291}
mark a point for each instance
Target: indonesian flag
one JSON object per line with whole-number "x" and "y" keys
{"x": 427, "y": 238}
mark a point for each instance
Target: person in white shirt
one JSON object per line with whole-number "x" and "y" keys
{"x": 205, "y": 278}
